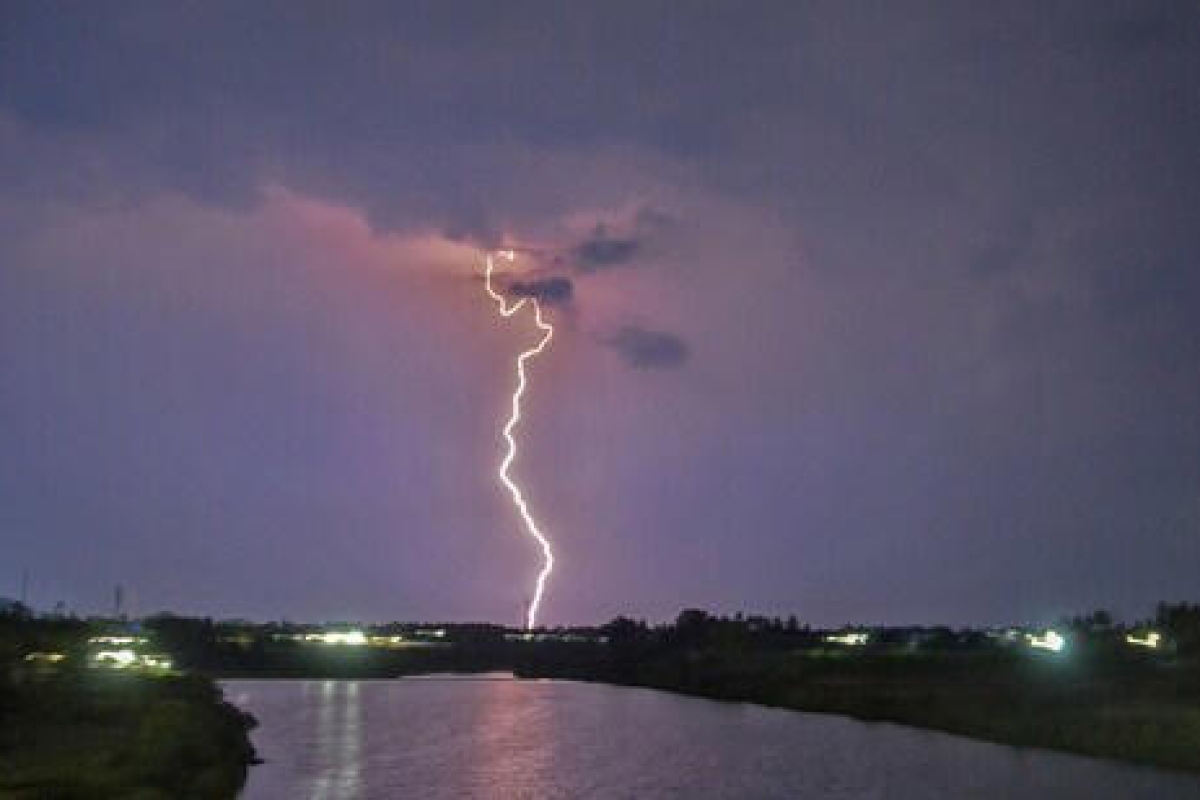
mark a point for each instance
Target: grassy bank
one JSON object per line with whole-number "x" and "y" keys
{"x": 1136, "y": 710}
{"x": 81, "y": 733}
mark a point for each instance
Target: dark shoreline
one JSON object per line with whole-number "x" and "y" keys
{"x": 994, "y": 700}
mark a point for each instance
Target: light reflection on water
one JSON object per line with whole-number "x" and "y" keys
{"x": 497, "y": 738}
{"x": 337, "y": 756}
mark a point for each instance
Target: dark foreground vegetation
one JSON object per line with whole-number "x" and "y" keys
{"x": 68, "y": 730}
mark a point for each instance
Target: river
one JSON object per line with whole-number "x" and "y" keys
{"x": 495, "y": 737}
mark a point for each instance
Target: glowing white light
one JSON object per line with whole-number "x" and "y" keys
{"x": 853, "y": 639}
{"x": 115, "y": 658}
{"x": 352, "y": 638}
{"x": 1050, "y": 640}
{"x": 531, "y": 526}
{"x": 116, "y": 640}
{"x": 129, "y": 660}
{"x": 1150, "y": 640}
{"x": 52, "y": 658}
{"x": 437, "y": 633}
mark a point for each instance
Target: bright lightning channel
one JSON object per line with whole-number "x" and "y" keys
{"x": 507, "y": 310}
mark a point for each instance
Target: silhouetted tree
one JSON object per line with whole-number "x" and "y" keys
{"x": 623, "y": 629}
{"x": 1180, "y": 621}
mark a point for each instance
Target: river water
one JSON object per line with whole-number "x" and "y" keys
{"x": 494, "y": 737}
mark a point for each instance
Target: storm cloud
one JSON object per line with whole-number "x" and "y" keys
{"x": 969, "y": 339}
{"x": 643, "y": 348}
{"x": 551, "y": 291}
{"x": 603, "y": 251}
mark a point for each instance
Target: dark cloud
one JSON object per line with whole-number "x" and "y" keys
{"x": 551, "y": 291}
{"x": 647, "y": 349}
{"x": 603, "y": 251}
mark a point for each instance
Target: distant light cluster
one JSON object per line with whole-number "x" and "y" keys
{"x": 1050, "y": 640}
{"x": 1151, "y": 640}
{"x": 360, "y": 638}
{"x": 130, "y": 660}
{"x": 117, "y": 640}
{"x": 849, "y": 638}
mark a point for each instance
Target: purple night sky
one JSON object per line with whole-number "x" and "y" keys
{"x": 883, "y": 312}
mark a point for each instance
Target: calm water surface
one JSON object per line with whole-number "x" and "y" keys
{"x": 501, "y": 738}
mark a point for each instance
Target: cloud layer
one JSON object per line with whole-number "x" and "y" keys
{"x": 926, "y": 275}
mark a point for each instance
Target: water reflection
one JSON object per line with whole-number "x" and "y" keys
{"x": 322, "y": 754}
{"x": 514, "y": 739}
{"x": 337, "y": 751}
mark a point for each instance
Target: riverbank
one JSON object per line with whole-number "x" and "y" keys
{"x": 1133, "y": 710}
{"x": 87, "y": 733}
{"x": 1094, "y": 688}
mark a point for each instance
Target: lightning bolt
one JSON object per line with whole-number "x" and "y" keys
{"x": 531, "y": 527}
